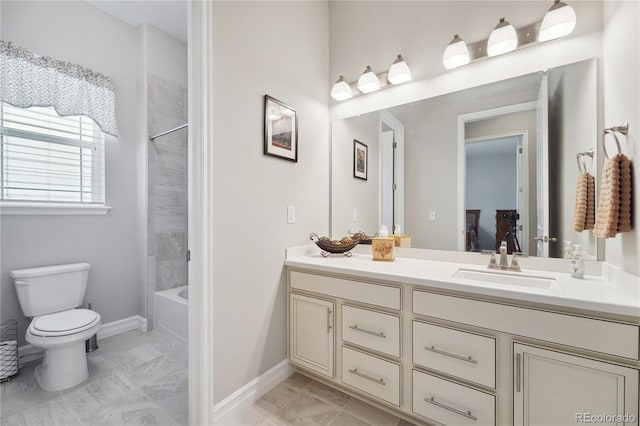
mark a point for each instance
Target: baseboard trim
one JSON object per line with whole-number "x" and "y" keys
{"x": 252, "y": 391}
{"x": 28, "y": 352}
{"x": 124, "y": 325}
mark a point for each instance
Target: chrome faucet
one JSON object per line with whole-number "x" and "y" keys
{"x": 504, "y": 264}
{"x": 504, "y": 260}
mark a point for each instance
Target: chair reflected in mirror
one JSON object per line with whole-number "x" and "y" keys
{"x": 472, "y": 220}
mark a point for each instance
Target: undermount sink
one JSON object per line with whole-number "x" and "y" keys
{"x": 505, "y": 278}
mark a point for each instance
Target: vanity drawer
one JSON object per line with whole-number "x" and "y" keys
{"x": 450, "y": 403}
{"x": 597, "y": 335}
{"x": 371, "y": 329}
{"x": 372, "y": 375}
{"x": 466, "y": 355}
{"x": 373, "y": 294}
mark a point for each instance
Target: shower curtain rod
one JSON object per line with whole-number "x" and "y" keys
{"x": 169, "y": 131}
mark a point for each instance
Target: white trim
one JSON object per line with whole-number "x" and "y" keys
{"x": 524, "y": 173}
{"x": 16, "y": 208}
{"x": 124, "y": 325}
{"x": 466, "y": 118}
{"x": 28, "y": 352}
{"x": 200, "y": 158}
{"x": 398, "y": 135}
{"x": 251, "y": 392}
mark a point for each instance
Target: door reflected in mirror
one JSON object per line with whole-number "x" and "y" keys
{"x": 466, "y": 170}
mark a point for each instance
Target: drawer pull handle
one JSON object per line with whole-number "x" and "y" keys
{"x": 328, "y": 320}
{"x": 466, "y": 414}
{"x": 364, "y": 376}
{"x": 364, "y": 330}
{"x": 449, "y": 354}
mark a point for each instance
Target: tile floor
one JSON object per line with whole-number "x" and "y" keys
{"x": 300, "y": 400}
{"x": 141, "y": 379}
{"x": 135, "y": 379}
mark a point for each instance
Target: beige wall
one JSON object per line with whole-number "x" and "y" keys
{"x": 280, "y": 49}
{"x": 621, "y": 72}
{"x": 347, "y": 192}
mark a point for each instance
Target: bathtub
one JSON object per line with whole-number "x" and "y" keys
{"x": 171, "y": 312}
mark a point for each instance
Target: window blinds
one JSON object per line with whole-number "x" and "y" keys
{"x": 48, "y": 158}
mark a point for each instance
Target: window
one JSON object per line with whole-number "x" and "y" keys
{"x": 46, "y": 158}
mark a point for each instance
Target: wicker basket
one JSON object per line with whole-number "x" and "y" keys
{"x": 9, "y": 362}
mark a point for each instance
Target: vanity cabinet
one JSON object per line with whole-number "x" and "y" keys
{"x": 556, "y": 388}
{"x": 439, "y": 357}
{"x": 312, "y": 334}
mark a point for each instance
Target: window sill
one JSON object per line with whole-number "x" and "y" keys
{"x": 52, "y": 209}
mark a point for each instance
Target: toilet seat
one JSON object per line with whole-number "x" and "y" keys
{"x": 63, "y": 323}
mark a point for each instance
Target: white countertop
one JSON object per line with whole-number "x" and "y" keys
{"x": 592, "y": 293}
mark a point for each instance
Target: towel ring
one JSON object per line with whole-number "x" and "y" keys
{"x": 624, "y": 129}
{"x": 582, "y": 164}
{"x": 604, "y": 142}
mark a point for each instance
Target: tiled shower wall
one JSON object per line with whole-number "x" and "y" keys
{"x": 167, "y": 210}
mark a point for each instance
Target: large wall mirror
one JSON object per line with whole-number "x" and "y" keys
{"x": 466, "y": 170}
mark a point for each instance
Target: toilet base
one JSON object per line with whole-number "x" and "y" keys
{"x": 63, "y": 367}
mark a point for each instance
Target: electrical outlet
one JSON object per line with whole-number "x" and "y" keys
{"x": 291, "y": 214}
{"x": 355, "y": 215}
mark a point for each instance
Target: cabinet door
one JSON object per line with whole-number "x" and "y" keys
{"x": 555, "y": 388}
{"x": 311, "y": 333}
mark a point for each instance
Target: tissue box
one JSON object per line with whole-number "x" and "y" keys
{"x": 382, "y": 248}
{"x": 402, "y": 240}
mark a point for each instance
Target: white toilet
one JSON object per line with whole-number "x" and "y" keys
{"x": 50, "y": 295}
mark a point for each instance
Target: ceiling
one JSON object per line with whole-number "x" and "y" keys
{"x": 169, "y": 16}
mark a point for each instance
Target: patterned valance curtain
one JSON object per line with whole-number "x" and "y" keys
{"x": 28, "y": 80}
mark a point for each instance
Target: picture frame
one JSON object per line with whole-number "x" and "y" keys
{"x": 280, "y": 130}
{"x": 360, "y": 160}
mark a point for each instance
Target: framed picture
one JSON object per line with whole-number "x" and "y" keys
{"x": 280, "y": 130}
{"x": 360, "y": 160}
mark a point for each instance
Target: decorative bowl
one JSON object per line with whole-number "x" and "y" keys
{"x": 333, "y": 246}
{"x": 362, "y": 237}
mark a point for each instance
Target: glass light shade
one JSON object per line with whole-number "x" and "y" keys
{"x": 456, "y": 54}
{"x": 341, "y": 90}
{"x": 399, "y": 71}
{"x": 503, "y": 39}
{"x": 559, "y": 21}
{"x": 368, "y": 81}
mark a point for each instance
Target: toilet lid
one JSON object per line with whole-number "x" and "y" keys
{"x": 63, "y": 323}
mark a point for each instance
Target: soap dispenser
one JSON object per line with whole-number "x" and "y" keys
{"x": 567, "y": 251}
{"x": 576, "y": 264}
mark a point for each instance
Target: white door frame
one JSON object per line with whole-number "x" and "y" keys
{"x": 200, "y": 182}
{"x": 522, "y": 195}
{"x": 462, "y": 120}
{"x": 398, "y": 130}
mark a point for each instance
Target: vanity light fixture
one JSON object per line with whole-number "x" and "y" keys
{"x": 368, "y": 81}
{"x": 502, "y": 39}
{"x": 456, "y": 54}
{"x": 341, "y": 90}
{"x": 399, "y": 71}
{"x": 559, "y": 21}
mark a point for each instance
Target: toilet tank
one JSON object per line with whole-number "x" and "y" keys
{"x": 50, "y": 289}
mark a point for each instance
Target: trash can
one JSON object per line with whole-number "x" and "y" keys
{"x": 9, "y": 362}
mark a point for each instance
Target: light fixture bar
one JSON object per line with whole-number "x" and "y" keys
{"x": 527, "y": 37}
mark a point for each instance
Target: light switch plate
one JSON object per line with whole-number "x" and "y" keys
{"x": 432, "y": 215}
{"x": 291, "y": 214}
{"x": 355, "y": 215}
